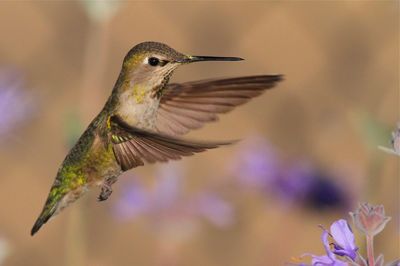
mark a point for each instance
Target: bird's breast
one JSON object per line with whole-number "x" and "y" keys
{"x": 138, "y": 108}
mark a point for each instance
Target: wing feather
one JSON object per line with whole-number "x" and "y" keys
{"x": 133, "y": 146}
{"x": 190, "y": 105}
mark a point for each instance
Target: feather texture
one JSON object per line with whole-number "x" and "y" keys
{"x": 190, "y": 105}
{"x": 133, "y": 146}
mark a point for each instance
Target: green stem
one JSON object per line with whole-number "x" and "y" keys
{"x": 76, "y": 238}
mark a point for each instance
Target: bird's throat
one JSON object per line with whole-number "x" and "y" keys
{"x": 138, "y": 106}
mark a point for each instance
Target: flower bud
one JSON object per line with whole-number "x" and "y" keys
{"x": 370, "y": 219}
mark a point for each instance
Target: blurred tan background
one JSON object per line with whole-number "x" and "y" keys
{"x": 341, "y": 90}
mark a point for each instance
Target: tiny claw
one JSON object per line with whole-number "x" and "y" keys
{"x": 105, "y": 193}
{"x": 106, "y": 189}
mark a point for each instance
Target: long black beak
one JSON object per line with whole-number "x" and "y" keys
{"x": 195, "y": 58}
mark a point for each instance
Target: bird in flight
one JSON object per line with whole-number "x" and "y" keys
{"x": 142, "y": 121}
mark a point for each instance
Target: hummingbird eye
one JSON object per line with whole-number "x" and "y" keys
{"x": 153, "y": 61}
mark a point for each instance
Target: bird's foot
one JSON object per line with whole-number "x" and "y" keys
{"x": 106, "y": 191}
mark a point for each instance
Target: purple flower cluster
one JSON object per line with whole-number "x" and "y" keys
{"x": 259, "y": 166}
{"x": 343, "y": 246}
{"x": 15, "y": 105}
{"x": 167, "y": 203}
{"x": 342, "y": 251}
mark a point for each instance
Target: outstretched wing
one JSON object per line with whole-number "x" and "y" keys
{"x": 190, "y": 105}
{"x": 133, "y": 146}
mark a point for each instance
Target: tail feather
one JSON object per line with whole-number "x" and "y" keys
{"x": 48, "y": 211}
{"x": 39, "y": 222}
{"x": 58, "y": 200}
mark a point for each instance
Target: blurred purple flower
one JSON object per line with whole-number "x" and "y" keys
{"x": 325, "y": 193}
{"x": 133, "y": 201}
{"x": 293, "y": 183}
{"x": 168, "y": 203}
{"x": 15, "y": 104}
{"x": 214, "y": 209}
{"x": 258, "y": 166}
{"x": 168, "y": 190}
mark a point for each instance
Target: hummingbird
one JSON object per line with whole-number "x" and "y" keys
{"x": 142, "y": 120}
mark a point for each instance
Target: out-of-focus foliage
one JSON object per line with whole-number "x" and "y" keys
{"x": 4, "y": 250}
{"x": 101, "y": 10}
{"x": 73, "y": 128}
{"x": 373, "y": 132}
{"x": 394, "y": 142}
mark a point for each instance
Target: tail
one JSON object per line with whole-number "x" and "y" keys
{"x": 48, "y": 211}
{"x": 60, "y": 197}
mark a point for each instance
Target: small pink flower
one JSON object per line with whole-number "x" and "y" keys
{"x": 370, "y": 219}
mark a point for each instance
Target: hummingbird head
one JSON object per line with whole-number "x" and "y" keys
{"x": 152, "y": 63}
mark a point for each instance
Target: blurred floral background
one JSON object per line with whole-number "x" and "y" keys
{"x": 308, "y": 153}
